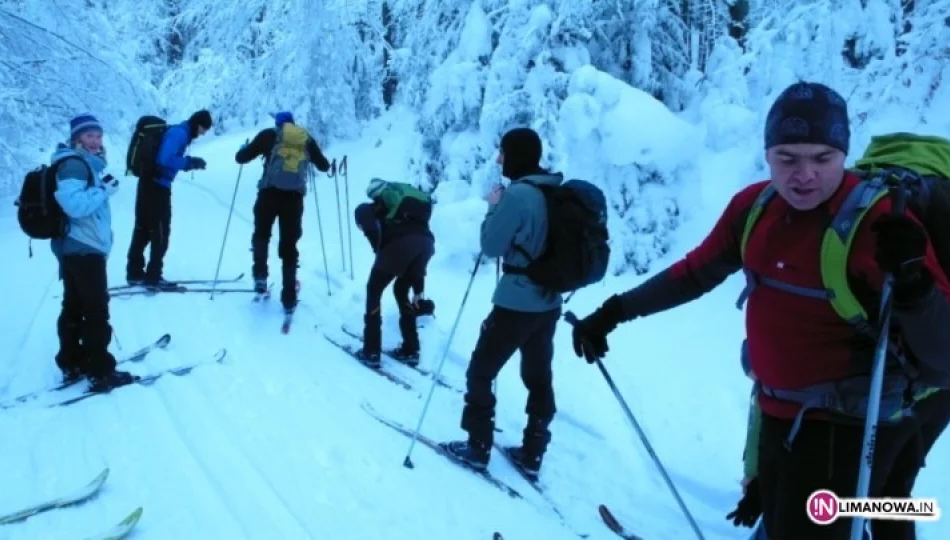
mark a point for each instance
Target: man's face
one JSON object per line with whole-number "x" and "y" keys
{"x": 500, "y": 160}
{"x": 805, "y": 175}
{"x": 91, "y": 141}
{"x": 201, "y": 131}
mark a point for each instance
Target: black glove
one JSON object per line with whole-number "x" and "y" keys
{"x": 107, "y": 179}
{"x": 590, "y": 334}
{"x": 900, "y": 248}
{"x": 424, "y": 306}
{"x": 749, "y": 508}
{"x": 195, "y": 163}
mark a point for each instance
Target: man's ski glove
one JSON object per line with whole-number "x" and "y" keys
{"x": 195, "y": 163}
{"x": 749, "y": 508}
{"x": 900, "y": 248}
{"x": 590, "y": 334}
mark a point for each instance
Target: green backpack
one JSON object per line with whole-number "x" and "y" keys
{"x": 405, "y": 203}
{"x": 921, "y": 166}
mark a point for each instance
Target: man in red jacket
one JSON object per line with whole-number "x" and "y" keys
{"x": 795, "y": 339}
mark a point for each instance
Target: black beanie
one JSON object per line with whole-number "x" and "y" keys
{"x": 522, "y": 153}
{"x": 201, "y": 118}
{"x": 808, "y": 113}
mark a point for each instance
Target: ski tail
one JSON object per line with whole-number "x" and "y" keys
{"x": 614, "y": 525}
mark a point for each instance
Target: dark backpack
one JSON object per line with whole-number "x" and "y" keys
{"x": 40, "y": 215}
{"x": 577, "y": 250}
{"x": 141, "y": 157}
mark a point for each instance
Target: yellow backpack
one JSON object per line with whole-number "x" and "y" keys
{"x": 289, "y": 161}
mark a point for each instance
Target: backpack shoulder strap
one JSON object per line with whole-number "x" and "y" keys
{"x": 836, "y": 247}
{"x": 755, "y": 212}
{"x": 91, "y": 176}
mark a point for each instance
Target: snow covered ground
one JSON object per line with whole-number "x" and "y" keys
{"x": 274, "y": 443}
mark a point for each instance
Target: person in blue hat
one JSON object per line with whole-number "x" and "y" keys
{"x": 288, "y": 150}
{"x": 83, "y": 192}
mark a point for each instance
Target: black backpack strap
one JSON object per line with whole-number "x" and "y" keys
{"x": 522, "y": 270}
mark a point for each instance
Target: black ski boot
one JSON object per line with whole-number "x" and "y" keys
{"x": 72, "y": 375}
{"x": 290, "y": 288}
{"x": 408, "y": 352}
{"x": 160, "y": 285}
{"x": 71, "y": 358}
{"x": 407, "y": 356}
{"x": 372, "y": 340}
{"x": 530, "y": 454}
{"x": 473, "y": 454}
{"x": 110, "y": 381}
{"x": 260, "y": 285}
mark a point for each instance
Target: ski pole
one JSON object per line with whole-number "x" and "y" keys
{"x": 115, "y": 337}
{"x": 224, "y": 241}
{"x": 339, "y": 214}
{"x": 346, "y": 193}
{"x": 494, "y": 384}
{"x": 407, "y": 462}
{"x": 877, "y": 382}
{"x": 323, "y": 247}
{"x": 572, "y": 320}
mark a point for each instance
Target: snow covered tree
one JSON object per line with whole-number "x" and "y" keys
{"x": 54, "y": 68}
{"x": 468, "y": 70}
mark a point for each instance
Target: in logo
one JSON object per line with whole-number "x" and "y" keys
{"x": 823, "y": 507}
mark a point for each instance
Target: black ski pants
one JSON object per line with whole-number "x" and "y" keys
{"x": 503, "y": 333}
{"x": 931, "y": 420}
{"x": 404, "y": 260}
{"x": 827, "y": 455}
{"x": 153, "y": 226}
{"x": 83, "y": 324}
{"x": 286, "y": 208}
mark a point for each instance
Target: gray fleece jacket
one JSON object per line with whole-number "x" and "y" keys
{"x": 520, "y": 219}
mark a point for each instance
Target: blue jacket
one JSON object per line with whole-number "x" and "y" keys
{"x": 520, "y": 219}
{"x": 87, "y": 207}
{"x": 171, "y": 157}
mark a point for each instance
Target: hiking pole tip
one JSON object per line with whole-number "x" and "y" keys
{"x": 407, "y": 463}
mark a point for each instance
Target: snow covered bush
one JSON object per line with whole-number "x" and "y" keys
{"x": 637, "y": 151}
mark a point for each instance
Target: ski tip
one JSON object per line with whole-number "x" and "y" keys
{"x": 163, "y": 341}
{"x": 132, "y": 518}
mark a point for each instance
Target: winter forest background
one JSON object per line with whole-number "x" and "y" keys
{"x": 577, "y": 70}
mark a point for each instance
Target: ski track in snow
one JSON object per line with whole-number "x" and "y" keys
{"x": 272, "y": 443}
